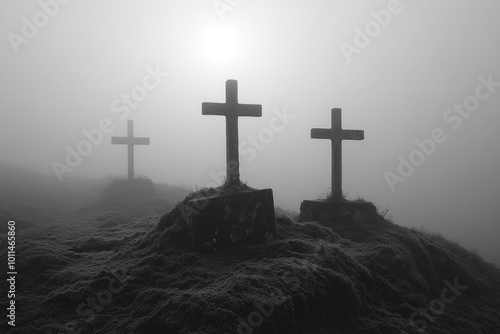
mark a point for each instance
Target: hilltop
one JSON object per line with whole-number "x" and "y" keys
{"x": 110, "y": 269}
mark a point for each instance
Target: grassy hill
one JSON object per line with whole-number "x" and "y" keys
{"x": 105, "y": 269}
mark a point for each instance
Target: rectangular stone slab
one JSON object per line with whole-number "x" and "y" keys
{"x": 328, "y": 212}
{"x": 226, "y": 221}
{"x": 132, "y": 193}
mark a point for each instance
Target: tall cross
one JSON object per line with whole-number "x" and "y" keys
{"x": 232, "y": 110}
{"x": 336, "y": 134}
{"x": 130, "y": 141}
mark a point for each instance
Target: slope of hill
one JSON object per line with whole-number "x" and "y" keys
{"x": 119, "y": 274}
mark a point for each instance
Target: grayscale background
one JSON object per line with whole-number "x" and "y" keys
{"x": 287, "y": 56}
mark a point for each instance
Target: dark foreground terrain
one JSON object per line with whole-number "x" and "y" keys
{"x": 99, "y": 267}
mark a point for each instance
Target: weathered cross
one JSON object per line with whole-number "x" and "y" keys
{"x": 336, "y": 134}
{"x": 232, "y": 110}
{"x": 130, "y": 141}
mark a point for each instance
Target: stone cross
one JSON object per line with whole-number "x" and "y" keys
{"x": 336, "y": 134}
{"x": 130, "y": 141}
{"x": 232, "y": 110}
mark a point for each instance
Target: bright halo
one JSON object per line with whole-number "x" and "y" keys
{"x": 220, "y": 44}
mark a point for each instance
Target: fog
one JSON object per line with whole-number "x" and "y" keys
{"x": 72, "y": 72}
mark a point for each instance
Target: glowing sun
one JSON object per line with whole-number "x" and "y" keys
{"x": 220, "y": 44}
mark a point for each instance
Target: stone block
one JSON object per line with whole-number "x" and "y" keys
{"x": 135, "y": 192}
{"x": 328, "y": 212}
{"x": 226, "y": 221}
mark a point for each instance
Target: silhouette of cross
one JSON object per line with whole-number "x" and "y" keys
{"x": 232, "y": 110}
{"x": 130, "y": 141}
{"x": 336, "y": 134}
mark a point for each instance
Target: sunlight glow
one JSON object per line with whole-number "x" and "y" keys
{"x": 220, "y": 44}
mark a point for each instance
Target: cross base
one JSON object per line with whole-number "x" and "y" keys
{"x": 329, "y": 212}
{"x": 133, "y": 193}
{"x": 133, "y": 181}
{"x": 227, "y": 221}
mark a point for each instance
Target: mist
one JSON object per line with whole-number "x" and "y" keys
{"x": 92, "y": 66}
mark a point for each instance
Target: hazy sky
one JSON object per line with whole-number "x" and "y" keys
{"x": 71, "y": 72}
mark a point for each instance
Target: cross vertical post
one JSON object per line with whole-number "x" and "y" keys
{"x": 130, "y": 134}
{"x": 336, "y": 134}
{"x": 232, "y": 139}
{"x": 232, "y": 110}
{"x": 337, "y": 155}
{"x": 130, "y": 141}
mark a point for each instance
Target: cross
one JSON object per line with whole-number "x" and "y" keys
{"x": 130, "y": 141}
{"x": 232, "y": 110}
{"x": 336, "y": 134}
